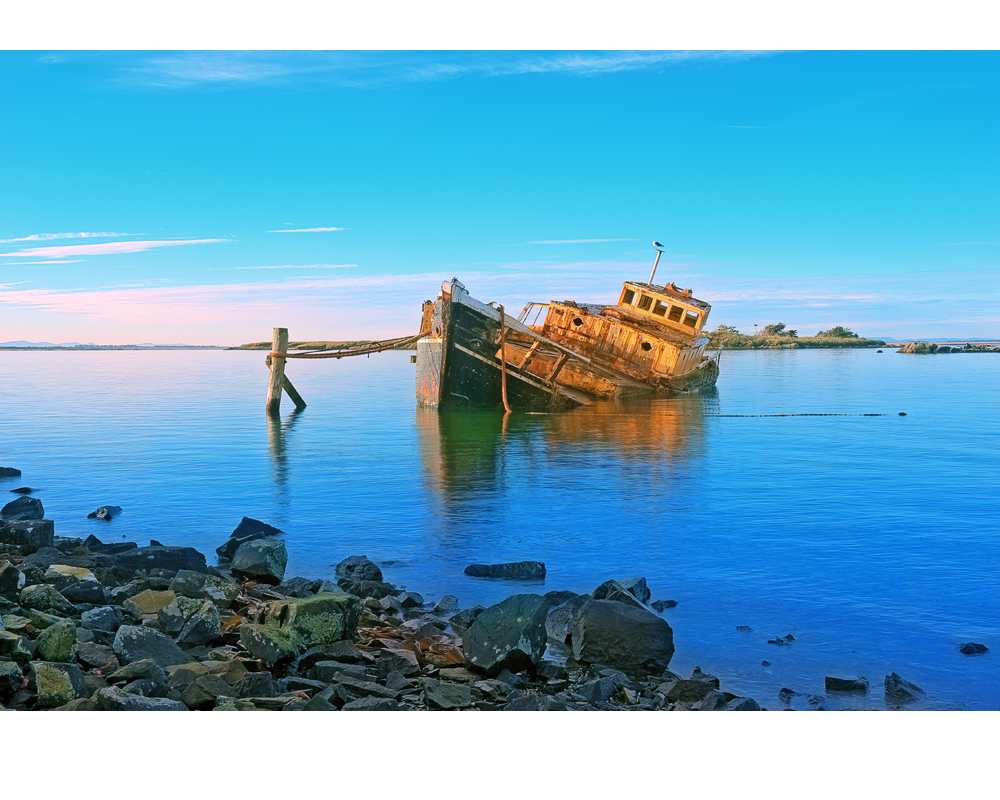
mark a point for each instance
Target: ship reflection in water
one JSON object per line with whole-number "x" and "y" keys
{"x": 517, "y": 473}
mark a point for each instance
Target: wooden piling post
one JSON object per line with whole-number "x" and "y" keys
{"x": 274, "y": 386}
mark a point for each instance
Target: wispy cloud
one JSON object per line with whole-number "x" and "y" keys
{"x": 27, "y": 263}
{"x": 363, "y": 69}
{"x": 45, "y": 237}
{"x": 581, "y": 241}
{"x": 307, "y": 230}
{"x": 106, "y": 248}
{"x": 299, "y": 266}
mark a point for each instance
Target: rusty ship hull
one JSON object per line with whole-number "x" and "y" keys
{"x": 459, "y": 360}
{"x": 476, "y": 356}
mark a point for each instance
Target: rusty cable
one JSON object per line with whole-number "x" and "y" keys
{"x": 503, "y": 361}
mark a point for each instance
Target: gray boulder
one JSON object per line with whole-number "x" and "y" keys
{"x": 442, "y": 694}
{"x": 172, "y": 559}
{"x": 304, "y": 587}
{"x": 834, "y": 684}
{"x": 376, "y": 589}
{"x": 461, "y": 620}
{"x": 201, "y": 586}
{"x": 58, "y": 684}
{"x": 901, "y": 691}
{"x": 261, "y": 560}
{"x": 247, "y": 531}
{"x": 561, "y": 620}
{"x": 30, "y": 535}
{"x": 22, "y": 508}
{"x": 58, "y": 642}
{"x": 525, "y": 570}
{"x": 135, "y": 643}
{"x": 104, "y": 618}
{"x": 359, "y": 568}
{"x": 107, "y": 513}
{"x": 621, "y": 636}
{"x": 9, "y": 472}
{"x": 203, "y": 627}
{"x": 615, "y": 592}
{"x": 638, "y": 587}
{"x": 43, "y": 597}
{"x": 510, "y": 635}
{"x": 113, "y": 699}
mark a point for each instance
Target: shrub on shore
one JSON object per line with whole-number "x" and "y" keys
{"x": 776, "y": 337}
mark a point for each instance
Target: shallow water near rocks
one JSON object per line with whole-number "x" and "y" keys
{"x": 873, "y": 540}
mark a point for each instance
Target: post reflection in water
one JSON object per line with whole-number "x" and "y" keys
{"x": 277, "y": 432}
{"x": 606, "y": 464}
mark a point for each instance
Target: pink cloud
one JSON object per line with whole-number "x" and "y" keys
{"x": 106, "y": 248}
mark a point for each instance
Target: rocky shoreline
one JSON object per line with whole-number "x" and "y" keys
{"x": 92, "y": 625}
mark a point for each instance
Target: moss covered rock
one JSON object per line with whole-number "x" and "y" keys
{"x": 46, "y": 598}
{"x": 58, "y": 642}
{"x": 58, "y": 684}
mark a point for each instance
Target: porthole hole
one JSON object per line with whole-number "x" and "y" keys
{"x": 577, "y": 321}
{"x": 646, "y": 346}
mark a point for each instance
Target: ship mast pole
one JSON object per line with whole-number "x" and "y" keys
{"x": 659, "y": 253}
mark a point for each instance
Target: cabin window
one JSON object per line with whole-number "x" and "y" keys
{"x": 628, "y": 297}
{"x": 691, "y": 319}
{"x": 645, "y": 302}
{"x": 646, "y": 346}
{"x": 577, "y": 321}
{"x": 675, "y": 313}
{"x": 659, "y": 309}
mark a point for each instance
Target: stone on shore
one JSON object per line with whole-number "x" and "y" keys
{"x": 201, "y": 586}
{"x": 135, "y": 643}
{"x": 291, "y": 626}
{"x": 30, "y": 535}
{"x": 359, "y": 568}
{"x": 376, "y": 589}
{"x": 172, "y": 559}
{"x": 440, "y": 694}
{"x": 510, "y": 634}
{"x": 11, "y": 579}
{"x": 248, "y": 530}
{"x": 561, "y": 620}
{"x": 147, "y": 602}
{"x": 524, "y": 570}
{"x": 43, "y": 597}
{"x": 114, "y": 699}
{"x": 107, "y": 513}
{"x": 662, "y": 605}
{"x": 901, "y": 690}
{"x": 58, "y": 683}
{"x": 204, "y": 626}
{"x": 461, "y": 620}
{"x": 22, "y": 508}
{"x": 58, "y": 642}
{"x": 834, "y": 684}
{"x": 614, "y": 591}
{"x": 261, "y": 560}
{"x": 305, "y": 587}
{"x": 621, "y": 636}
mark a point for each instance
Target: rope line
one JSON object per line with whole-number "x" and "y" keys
{"x": 375, "y": 347}
{"x": 795, "y": 415}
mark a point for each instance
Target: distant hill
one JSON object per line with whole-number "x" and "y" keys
{"x": 91, "y": 346}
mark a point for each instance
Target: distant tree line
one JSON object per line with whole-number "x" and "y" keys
{"x": 779, "y": 335}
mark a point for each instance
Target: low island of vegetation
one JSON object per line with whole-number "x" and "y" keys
{"x": 778, "y": 335}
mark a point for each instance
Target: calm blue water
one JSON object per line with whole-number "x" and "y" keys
{"x": 872, "y": 540}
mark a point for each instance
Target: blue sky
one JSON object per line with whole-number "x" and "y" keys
{"x": 205, "y": 197}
